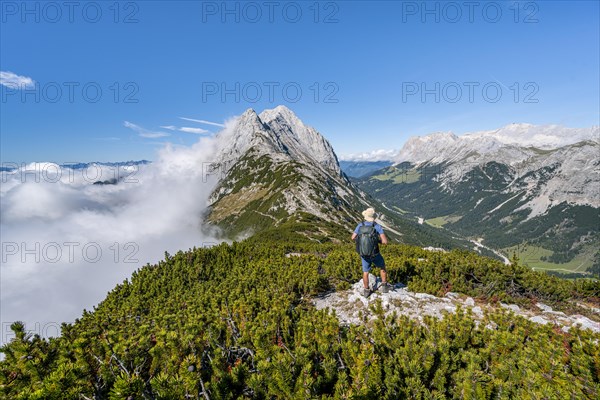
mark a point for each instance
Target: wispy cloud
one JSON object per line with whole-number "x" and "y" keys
{"x": 143, "y": 132}
{"x": 198, "y": 131}
{"x": 202, "y": 121}
{"x": 14, "y": 81}
{"x": 187, "y": 129}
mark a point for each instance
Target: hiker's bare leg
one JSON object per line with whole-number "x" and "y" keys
{"x": 366, "y": 279}
{"x": 383, "y": 274}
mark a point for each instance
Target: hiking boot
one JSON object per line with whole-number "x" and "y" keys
{"x": 366, "y": 292}
{"x": 385, "y": 287}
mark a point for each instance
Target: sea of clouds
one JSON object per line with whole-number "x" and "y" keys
{"x": 66, "y": 241}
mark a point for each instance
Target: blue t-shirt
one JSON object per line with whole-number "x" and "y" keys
{"x": 378, "y": 227}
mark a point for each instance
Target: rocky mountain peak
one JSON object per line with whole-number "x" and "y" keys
{"x": 280, "y": 112}
{"x": 279, "y": 133}
{"x": 277, "y": 167}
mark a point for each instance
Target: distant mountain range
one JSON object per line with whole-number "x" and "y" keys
{"x": 358, "y": 169}
{"x": 531, "y": 190}
{"x": 7, "y": 167}
{"x": 98, "y": 173}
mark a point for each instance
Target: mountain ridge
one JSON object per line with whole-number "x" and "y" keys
{"x": 523, "y": 135}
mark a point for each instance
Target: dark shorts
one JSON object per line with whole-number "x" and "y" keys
{"x": 377, "y": 261}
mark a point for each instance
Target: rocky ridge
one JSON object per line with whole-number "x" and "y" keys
{"x": 547, "y": 165}
{"x": 351, "y": 307}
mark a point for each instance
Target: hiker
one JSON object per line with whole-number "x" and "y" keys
{"x": 368, "y": 234}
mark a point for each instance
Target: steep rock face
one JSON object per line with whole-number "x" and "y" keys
{"x": 280, "y": 134}
{"x": 300, "y": 140}
{"x": 247, "y": 132}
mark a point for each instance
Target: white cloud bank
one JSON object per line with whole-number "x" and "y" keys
{"x": 66, "y": 242}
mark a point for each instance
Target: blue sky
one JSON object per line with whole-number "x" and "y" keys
{"x": 367, "y": 75}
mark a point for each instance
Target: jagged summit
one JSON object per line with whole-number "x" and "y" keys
{"x": 245, "y": 133}
{"x": 280, "y": 111}
{"x": 303, "y": 138}
{"x": 280, "y": 133}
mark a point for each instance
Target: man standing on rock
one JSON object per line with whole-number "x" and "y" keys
{"x": 368, "y": 234}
